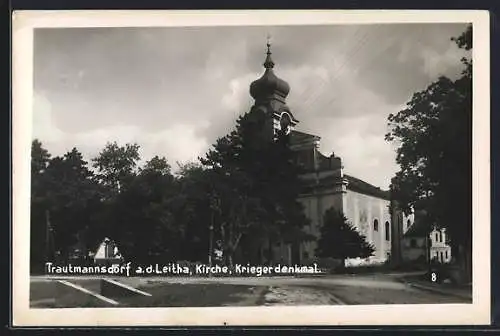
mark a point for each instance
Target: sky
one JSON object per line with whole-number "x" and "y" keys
{"x": 175, "y": 90}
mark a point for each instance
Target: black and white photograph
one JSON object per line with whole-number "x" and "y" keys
{"x": 257, "y": 162}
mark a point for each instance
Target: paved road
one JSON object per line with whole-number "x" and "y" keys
{"x": 339, "y": 289}
{"x": 335, "y": 290}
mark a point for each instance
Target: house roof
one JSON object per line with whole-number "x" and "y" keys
{"x": 420, "y": 227}
{"x": 363, "y": 187}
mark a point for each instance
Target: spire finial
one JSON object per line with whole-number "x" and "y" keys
{"x": 268, "y": 64}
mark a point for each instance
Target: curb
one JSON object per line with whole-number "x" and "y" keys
{"x": 439, "y": 291}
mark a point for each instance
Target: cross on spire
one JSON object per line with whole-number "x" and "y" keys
{"x": 268, "y": 64}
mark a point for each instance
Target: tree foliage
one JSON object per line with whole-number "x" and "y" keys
{"x": 434, "y": 138}
{"x": 116, "y": 165}
{"x": 72, "y": 205}
{"x": 340, "y": 240}
{"x": 255, "y": 185}
{"x": 40, "y": 158}
{"x": 145, "y": 221}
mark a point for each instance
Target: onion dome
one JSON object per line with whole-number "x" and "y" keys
{"x": 269, "y": 84}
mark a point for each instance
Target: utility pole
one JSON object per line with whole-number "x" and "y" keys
{"x": 215, "y": 205}
{"x": 211, "y": 231}
{"x": 211, "y": 239}
{"x": 48, "y": 231}
{"x": 427, "y": 248}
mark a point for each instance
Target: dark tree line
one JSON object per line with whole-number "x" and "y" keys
{"x": 245, "y": 188}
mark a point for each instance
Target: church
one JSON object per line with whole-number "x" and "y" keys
{"x": 327, "y": 185}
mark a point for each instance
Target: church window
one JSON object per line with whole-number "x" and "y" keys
{"x": 387, "y": 231}
{"x": 285, "y": 123}
{"x": 375, "y": 225}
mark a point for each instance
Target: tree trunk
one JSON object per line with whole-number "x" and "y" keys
{"x": 467, "y": 264}
{"x": 464, "y": 260}
{"x": 342, "y": 263}
{"x": 261, "y": 253}
{"x": 270, "y": 255}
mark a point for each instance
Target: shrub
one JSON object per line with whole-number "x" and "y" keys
{"x": 329, "y": 265}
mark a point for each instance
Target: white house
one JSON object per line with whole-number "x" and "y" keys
{"x": 439, "y": 248}
{"x": 420, "y": 244}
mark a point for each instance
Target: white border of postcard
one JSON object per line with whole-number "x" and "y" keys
{"x": 23, "y": 23}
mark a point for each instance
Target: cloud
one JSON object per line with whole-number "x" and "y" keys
{"x": 174, "y": 91}
{"x": 178, "y": 143}
{"x": 437, "y": 64}
{"x": 364, "y": 152}
{"x": 43, "y": 121}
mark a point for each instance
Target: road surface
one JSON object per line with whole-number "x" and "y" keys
{"x": 327, "y": 290}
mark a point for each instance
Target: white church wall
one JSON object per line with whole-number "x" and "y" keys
{"x": 362, "y": 211}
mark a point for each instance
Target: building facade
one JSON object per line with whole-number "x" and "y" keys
{"x": 326, "y": 184}
{"x": 421, "y": 242}
{"x": 440, "y": 249}
{"x": 414, "y": 246}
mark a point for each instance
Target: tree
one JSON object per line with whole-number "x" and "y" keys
{"x": 39, "y": 157}
{"x": 340, "y": 240}
{"x": 256, "y": 184}
{"x": 116, "y": 165}
{"x": 116, "y": 168}
{"x": 146, "y": 228}
{"x": 38, "y": 225}
{"x": 70, "y": 190}
{"x": 192, "y": 210}
{"x": 434, "y": 138}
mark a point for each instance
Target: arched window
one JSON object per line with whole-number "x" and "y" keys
{"x": 375, "y": 225}
{"x": 387, "y": 231}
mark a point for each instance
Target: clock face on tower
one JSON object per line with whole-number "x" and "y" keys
{"x": 285, "y": 123}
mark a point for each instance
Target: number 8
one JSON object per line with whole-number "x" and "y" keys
{"x": 433, "y": 277}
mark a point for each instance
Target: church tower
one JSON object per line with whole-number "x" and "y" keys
{"x": 270, "y": 92}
